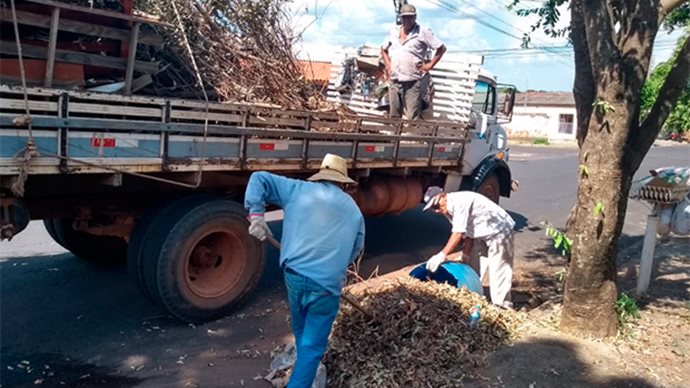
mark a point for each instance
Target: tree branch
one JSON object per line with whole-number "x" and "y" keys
{"x": 583, "y": 86}
{"x": 667, "y": 6}
{"x": 676, "y": 83}
{"x": 600, "y": 35}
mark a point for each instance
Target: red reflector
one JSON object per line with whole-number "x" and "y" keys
{"x": 108, "y": 142}
{"x": 267, "y": 146}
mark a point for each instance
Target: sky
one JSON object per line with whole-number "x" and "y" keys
{"x": 330, "y": 25}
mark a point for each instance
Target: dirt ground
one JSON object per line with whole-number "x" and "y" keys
{"x": 652, "y": 352}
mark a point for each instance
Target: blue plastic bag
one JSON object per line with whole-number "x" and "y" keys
{"x": 456, "y": 274}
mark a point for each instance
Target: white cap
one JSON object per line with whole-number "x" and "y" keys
{"x": 431, "y": 196}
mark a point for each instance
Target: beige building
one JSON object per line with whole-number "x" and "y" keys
{"x": 544, "y": 114}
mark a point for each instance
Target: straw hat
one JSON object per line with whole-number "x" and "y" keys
{"x": 334, "y": 169}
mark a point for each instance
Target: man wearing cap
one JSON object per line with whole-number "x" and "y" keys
{"x": 323, "y": 232}
{"x": 404, "y": 53}
{"x": 478, "y": 223}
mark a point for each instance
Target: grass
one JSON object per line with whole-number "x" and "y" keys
{"x": 540, "y": 141}
{"x": 627, "y": 312}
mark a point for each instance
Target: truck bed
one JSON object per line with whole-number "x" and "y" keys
{"x": 78, "y": 132}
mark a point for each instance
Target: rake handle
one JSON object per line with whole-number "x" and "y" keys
{"x": 346, "y": 297}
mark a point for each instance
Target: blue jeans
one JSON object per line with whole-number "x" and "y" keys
{"x": 312, "y": 311}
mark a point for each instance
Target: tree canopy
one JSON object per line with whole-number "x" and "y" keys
{"x": 679, "y": 119}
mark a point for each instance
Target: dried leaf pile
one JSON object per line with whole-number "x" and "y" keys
{"x": 420, "y": 337}
{"x": 243, "y": 49}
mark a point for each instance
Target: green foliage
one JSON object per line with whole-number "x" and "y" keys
{"x": 560, "y": 240}
{"x": 598, "y": 208}
{"x": 602, "y": 106}
{"x": 679, "y": 119}
{"x": 549, "y": 15}
{"x": 541, "y": 140}
{"x": 678, "y": 18}
{"x": 584, "y": 171}
{"x": 626, "y": 310}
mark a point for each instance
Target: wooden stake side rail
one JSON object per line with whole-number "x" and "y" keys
{"x": 87, "y": 132}
{"x": 100, "y": 12}
{"x": 78, "y": 27}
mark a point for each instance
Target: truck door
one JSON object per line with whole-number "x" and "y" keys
{"x": 484, "y": 101}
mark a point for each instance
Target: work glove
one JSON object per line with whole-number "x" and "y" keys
{"x": 435, "y": 261}
{"x": 258, "y": 227}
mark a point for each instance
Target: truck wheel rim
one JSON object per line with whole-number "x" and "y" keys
{"x": 215, "y": 264}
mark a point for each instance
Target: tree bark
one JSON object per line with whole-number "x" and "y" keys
{"x": 618, "y": 69}
{"x": 583, "y": 86}
{"x": 590, "y": 289}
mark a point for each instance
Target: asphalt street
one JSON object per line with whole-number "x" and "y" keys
{"x": 66, "y": 322}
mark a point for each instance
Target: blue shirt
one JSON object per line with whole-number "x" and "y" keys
{"x": 323, "y": 229}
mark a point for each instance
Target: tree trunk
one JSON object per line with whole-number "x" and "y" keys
{"x": 590, "y": 289}
{"x": 603, "y": 187}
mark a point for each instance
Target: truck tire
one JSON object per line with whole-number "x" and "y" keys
{"x": 135, "y": 264}
{"x": 106, "y": 250}
{"x": 147, "y": 237}
{"x": 50, "y": 228}
{"x": 490, "y": 187}
{"x": 208, "y": 263}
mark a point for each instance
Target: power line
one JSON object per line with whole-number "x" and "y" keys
{"x": 551, "y": 50}
{"x": 455, "y": 10}
{"x": 520, "y": 49}
{"x": 500, "y": 20}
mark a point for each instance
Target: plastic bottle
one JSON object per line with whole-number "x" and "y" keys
{"x": 474, "y": 316}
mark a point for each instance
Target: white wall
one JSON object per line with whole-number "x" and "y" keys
{"x": 540, "y": 121}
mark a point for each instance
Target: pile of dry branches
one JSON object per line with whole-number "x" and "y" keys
{"x": 420, "y": 337}
{"x": 243, "y": 50}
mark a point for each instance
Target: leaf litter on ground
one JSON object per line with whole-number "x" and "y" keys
{"x": 419, "y": 336}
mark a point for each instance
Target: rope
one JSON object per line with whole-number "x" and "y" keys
{"x": 203, "y": 90}
{"x": 30, "y": 151}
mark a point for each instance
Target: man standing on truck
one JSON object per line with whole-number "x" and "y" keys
{"x": 323, "y": 232}
{"x": 404, "y": 53}
{"x": 478, "y": 223}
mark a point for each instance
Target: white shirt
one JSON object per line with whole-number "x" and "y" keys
{"x": 408, "y": 54}
{"x": 477, "y": 216}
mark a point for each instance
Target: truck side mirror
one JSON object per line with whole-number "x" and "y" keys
{"x": 507, "y": 93}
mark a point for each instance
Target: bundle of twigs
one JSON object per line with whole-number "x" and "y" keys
{"x": 420, "y": 337}
{"x": 243, "y": 49}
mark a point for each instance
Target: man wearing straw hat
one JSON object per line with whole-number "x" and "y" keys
{"x": 323, "y": 232}
{"x": 404, "y": 55}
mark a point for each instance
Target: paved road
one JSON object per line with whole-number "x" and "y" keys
{"x": 65, "y": 322}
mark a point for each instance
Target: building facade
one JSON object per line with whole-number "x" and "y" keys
{"x": 544, "y": 114}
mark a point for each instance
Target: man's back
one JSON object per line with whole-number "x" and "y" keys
{"x": 477, "y": 215}
{"x": 323, "y": 229}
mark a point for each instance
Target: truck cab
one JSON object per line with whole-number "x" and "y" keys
{"x": 485, "y": 166}
{"x": 461, "y": 91}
